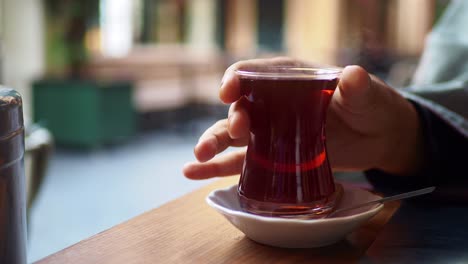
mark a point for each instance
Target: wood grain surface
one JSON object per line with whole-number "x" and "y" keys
{"x": 187, "y": 230}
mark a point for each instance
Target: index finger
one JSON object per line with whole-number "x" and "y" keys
{"x": 230, "y": 91}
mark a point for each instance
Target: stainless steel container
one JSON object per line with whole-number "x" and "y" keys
{"x": 12, "y": 181}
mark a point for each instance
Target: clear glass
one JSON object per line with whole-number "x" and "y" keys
{"x": 286, "y": 171}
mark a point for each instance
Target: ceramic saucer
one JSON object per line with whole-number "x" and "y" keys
{"x": 296, "y": 233}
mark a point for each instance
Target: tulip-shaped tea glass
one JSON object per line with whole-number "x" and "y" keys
{"x": 286, "y": 171}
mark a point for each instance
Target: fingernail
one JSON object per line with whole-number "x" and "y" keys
{"x": 222, "y": 80}
{"x": 211, "y": 140}
{"x": 230, "y": 119}
{"x": 229, "y": 124}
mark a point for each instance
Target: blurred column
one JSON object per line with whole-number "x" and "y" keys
{"x": 312, "y": 30}
{"x": 201, "y": 26}
{"x": 117, "y": 27}
{"x": 241, "y": 27}
{"x": 409, "y": 23}
{"x": 221, "y": 24}
{"x": 169, "y": 22}
{"x": 22, "y": 23}
{"x": 1, "y": 40}
{"x": 148, "y": 27}
{"x": 270, "y": 22}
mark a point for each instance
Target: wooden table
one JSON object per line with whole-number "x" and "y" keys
{"x": 187, "y": 230}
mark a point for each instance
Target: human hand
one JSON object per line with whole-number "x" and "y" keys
{"x": 369, "y": 125}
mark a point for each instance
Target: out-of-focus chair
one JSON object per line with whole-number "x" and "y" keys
{"x": 38, "y": 146}
{"x": 165, "y": 77}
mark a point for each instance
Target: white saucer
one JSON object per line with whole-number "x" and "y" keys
{"x": 296, "y": 233}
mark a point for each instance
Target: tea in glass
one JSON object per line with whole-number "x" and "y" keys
{"x": 286, "y": 171}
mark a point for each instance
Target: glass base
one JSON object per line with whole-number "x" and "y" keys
{"x": 316, "y": 209}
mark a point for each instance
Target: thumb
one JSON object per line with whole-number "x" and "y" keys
{"x": 356, "y": 90}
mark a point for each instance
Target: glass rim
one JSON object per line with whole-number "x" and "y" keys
{"x": 289, "y": 72}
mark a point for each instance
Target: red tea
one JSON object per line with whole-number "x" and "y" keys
{"x": 286, "y": 170}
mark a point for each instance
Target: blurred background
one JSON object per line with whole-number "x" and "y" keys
{"x": 116, "y": 92}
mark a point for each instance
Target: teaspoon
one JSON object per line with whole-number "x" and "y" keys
{"x": 386, "y": 199}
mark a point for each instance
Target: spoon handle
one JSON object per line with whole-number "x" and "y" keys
{"x": 388, "y": 199}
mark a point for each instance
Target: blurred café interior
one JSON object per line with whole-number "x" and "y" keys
{"x": 117, "y": 92}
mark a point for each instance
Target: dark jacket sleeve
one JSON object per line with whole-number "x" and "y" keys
{"x": 445, "y": 165}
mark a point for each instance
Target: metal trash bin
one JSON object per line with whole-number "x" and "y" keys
{"x": 12, "y": 182}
